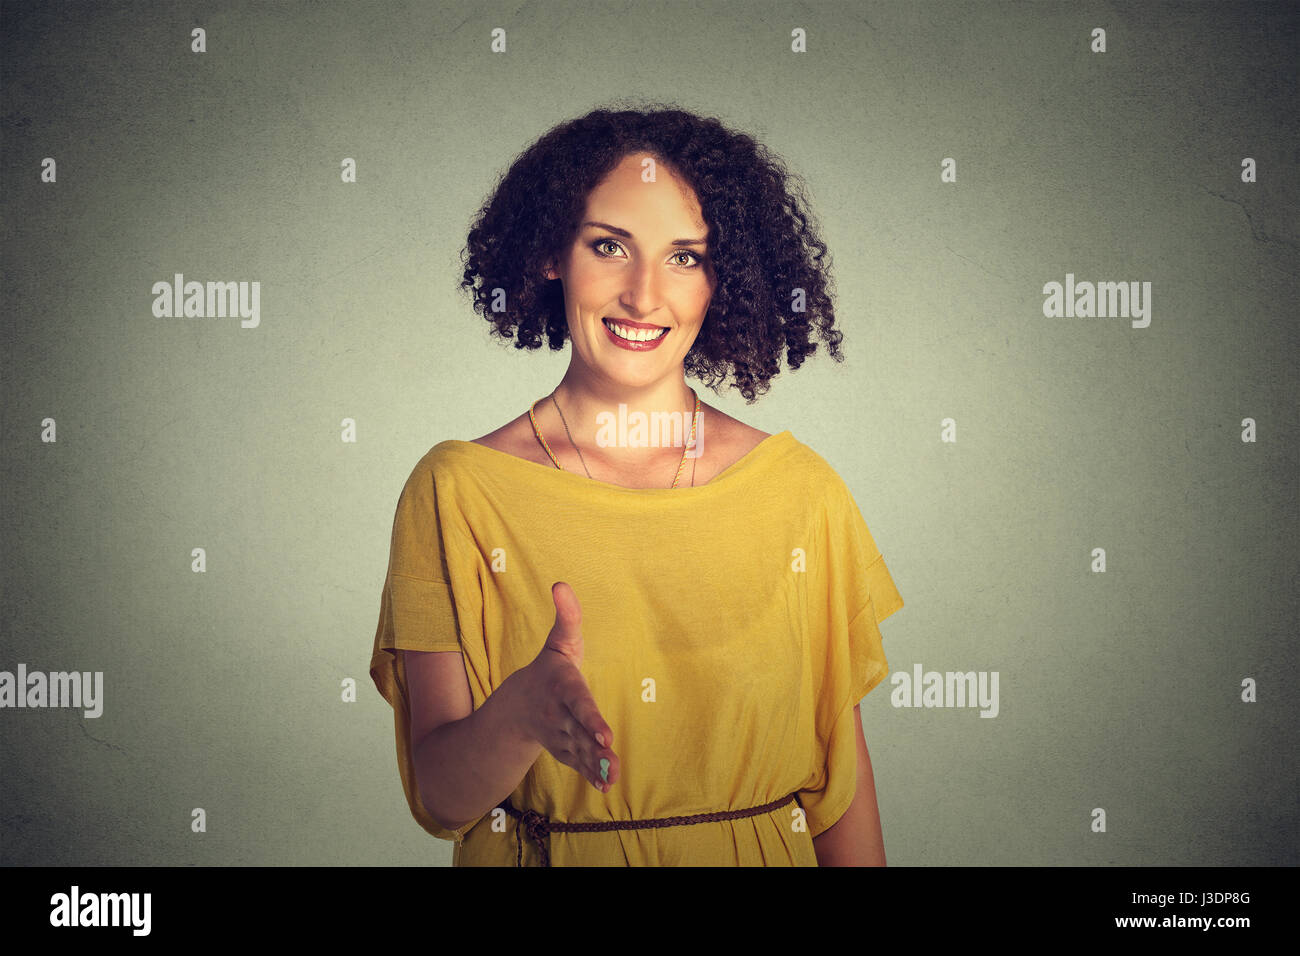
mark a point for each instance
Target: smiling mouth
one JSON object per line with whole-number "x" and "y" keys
{"x": 632, "y": 333}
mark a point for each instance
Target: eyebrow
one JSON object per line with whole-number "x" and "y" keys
{"x": 627, "y": 235}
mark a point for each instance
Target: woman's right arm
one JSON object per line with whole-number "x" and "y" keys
{"x": 467, "y": 761}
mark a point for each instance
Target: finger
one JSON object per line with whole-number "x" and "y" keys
{"x": 572, "y": 758}
{"x": 581, "y": 742}
{"x": 582, "y": 705}
{"x": 568, "y": 612}
{"x": 612, "y": 770}
{"x": 597, "y": 752}
{"x": 582, "y": 762}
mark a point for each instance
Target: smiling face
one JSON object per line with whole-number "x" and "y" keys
{"x": 633, "y": 264}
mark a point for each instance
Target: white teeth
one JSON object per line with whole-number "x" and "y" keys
{"x": 636, "y": 335}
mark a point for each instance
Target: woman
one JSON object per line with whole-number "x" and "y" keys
{"x": 712, "y": 592}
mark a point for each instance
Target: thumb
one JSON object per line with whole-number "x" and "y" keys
{"x": 566, "y": 634}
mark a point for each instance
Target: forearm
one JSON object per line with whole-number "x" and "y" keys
{"x": 851, "y": 841}
{"x": 855, "y": 839}
{"x": 466, "y": 767}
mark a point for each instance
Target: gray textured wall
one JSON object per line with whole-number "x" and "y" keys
{"x": 1119, "y": 690}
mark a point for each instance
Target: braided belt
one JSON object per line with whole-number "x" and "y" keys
{"x": 540, "y": 826}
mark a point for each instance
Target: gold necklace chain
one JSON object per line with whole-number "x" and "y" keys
{"x": 690, "y": 443}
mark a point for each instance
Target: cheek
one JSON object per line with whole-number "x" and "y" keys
{"x": 701, "y": 301}
{"x": 587, "y": 277}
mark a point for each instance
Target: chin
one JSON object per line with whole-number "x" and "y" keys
{"x": 638, "y": 379}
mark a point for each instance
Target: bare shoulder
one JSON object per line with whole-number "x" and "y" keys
{"x": 498, "y": 438}
{"x": 726, "y": 441}
{"x": 734, "y": 435}
{"x": 516, "y": 438}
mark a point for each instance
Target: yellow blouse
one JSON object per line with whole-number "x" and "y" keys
{"x": 729, "y": 630}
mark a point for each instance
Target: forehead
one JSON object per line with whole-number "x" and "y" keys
{"x": 666, "y": 203}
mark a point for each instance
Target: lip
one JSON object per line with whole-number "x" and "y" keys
{"x": 634, "y": 346}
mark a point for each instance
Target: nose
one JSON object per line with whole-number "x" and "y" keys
{"x": 641, "y": 295}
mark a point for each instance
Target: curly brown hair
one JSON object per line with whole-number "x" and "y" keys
{"x": 761, "y": 241}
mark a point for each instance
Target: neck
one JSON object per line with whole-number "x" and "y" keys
{"x": 589, "y": 407}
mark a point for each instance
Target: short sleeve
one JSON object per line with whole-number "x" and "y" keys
{"x": 417, "y": 612}
{"x": 848, "y": 651}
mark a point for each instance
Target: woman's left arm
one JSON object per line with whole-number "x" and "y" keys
{"x": 855, "y": 838}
